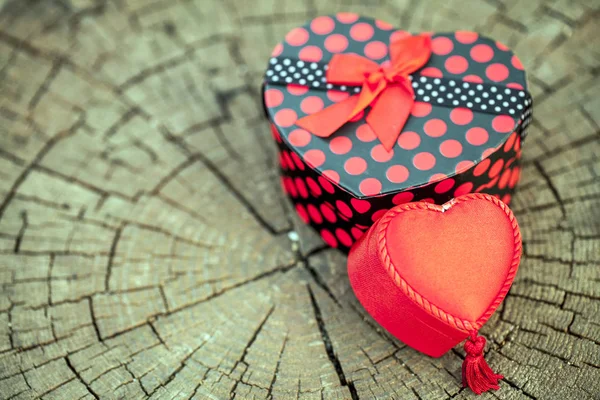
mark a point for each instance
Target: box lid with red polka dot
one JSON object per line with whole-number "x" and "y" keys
{"x": 469, "y": 97}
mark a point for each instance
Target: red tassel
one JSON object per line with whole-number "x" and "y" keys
{"x": 476, "y": 373}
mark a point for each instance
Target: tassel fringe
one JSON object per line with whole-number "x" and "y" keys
{"x": 476, "y": 373}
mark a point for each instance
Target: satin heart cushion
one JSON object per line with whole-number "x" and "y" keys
{"x": 432, "y": 275}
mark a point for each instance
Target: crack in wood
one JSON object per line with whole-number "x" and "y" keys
{"x": 83, "y": 382}
{"x": 329, "y": 347}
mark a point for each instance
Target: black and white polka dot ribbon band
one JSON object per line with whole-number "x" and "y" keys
{"x": 445, "y": 92}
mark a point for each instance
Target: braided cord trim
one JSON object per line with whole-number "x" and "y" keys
{"x": 437, "y": 312}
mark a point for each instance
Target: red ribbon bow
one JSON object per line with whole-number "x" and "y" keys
{"x": 388, "y": 90}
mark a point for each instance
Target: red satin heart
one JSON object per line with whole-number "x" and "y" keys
{"x": 432, "y": 274}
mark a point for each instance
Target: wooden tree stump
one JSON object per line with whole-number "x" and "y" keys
{"x": 147, "y": 250}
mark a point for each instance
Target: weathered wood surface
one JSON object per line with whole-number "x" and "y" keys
{"x": 147, "y": 251}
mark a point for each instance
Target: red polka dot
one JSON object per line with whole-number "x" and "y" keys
{"x": 466, "y": 37}
{"x": 514, "y": 85}
{"x": 403, "y": 197}
{"x": 420, "y": 109}
{"x": 514, "y": 177}
{"x": 383, "y": 25}
{"x": 337, "y": 95}
{"x": 456, "y": 64}
{"x": 298, "y": 161}
{"x": 314, "y": 214}
{"x": 311, "y": 54}
{"x": 509, "y": 162}
{"x": 326, "y": 185}
{"x": 301, "y": 211}
{"x": 424, "y": 161}
{"x": 357, "y": 233}
{"x": 343, "y": 208}
{"x": 516, "y": 63}
{"x": 409, "y": 140}
{"x": 302, "y": 191}
{"x": 299, "y": 137}
{"x": 343, "y": 237}
{"x": 355, "y": 165}
{"x": 282, "y": 161}
{"x": 441, "y": 45}
{"x": 477, "y": 136}
{"x": 286, "y": 117}
{"x": 397, "y": 35}
{"x": 503, "y": 124}
{"x": 314, "y": 187}
{"x": 314, "y": 158}
{"x": 506, "y": 199}
{"x": 473, "y": 79}
{"x": 397, "y": 173}
{"x": 432, "y": 72}
{"x": 336, "y": 43}
{"x": 481, "y": 167}
{"x": 380, "y": 154}
{"x": 501, "y": 46}
{"x": 463, "y": 189}
{"x": 329, "y": 238}
{"x": 322, "y": 25}
{"x": 429, "y": 200}
{"x": 311, "y": 105}
{"x": 451, "y": 148}
{"x": 275, "y": 134}
{"x": 482, "y": 53}
{"x": 291, "y": 188}
{"x": 277, "y": 50}
{"x": 376, "y": 50}
{"x": 435, "y": 127}
{"x": 288, "y": 161}
{"x": 362, "y": 206}
{"x": 378, "y": 214}
{"x": 346, "y": 17}
{"x": 504, "y": 179}
{"x": 297, "y": 90}
{"x": 436, "y": 178}
{"x": 370, "y": 187}
{"x": 496, "y": 72}
{"x": 463, "y": 166}
{"x": 297, "y": 37}
{"x": 488, "y": 152}
{"x": 273, "y": 97}
{"x": 510, "y": 142}
{"x": 496, "y": 168}
{"x": 340, "y": 145}
{"x": 364, "y": 133}
{"x": 461, "y": 116}
{"x": 361, "y": 32}
{"x": 444, "y": 186}
{"x": 518, "y": 147}
{"x": 328, "y": 212}
{"x": 332, "y": 176}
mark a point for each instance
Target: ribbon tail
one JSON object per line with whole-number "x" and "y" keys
{"x": 389, "y": 114}
{"x": 325, "y": 122}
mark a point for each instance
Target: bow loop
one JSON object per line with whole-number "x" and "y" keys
{"x": 349, "y": 69}
{"x": 387, "y": 90}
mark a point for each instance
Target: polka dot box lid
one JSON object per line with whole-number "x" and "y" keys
{"x": 469, "y": 97}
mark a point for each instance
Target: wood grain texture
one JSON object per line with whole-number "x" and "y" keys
{"x": 146, "y": 250}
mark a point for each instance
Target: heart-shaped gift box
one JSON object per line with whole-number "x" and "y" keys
{"x": 462, "y": 133}
{"x": 433, "y": 275}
